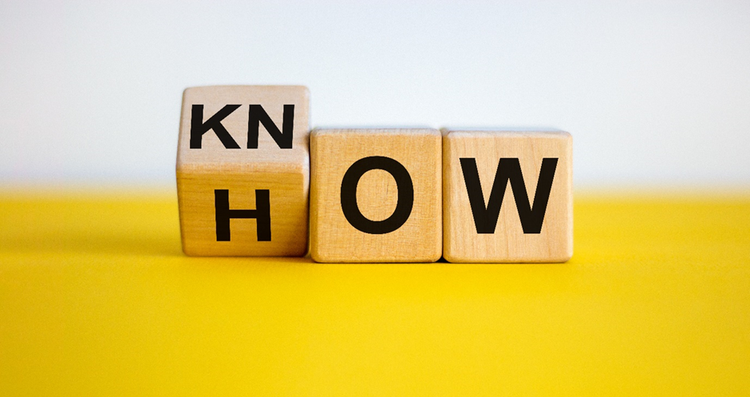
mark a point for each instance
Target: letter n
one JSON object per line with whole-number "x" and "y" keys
{"x": 258, "y": 115}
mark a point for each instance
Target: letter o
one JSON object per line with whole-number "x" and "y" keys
{"x": 404, "y": 204}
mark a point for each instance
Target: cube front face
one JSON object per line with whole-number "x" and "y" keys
{"x": 376, "y": 195}
{"x": 476, "y": 165}
{"x": 288, "y": 213}
{"x": 243, "y": 170}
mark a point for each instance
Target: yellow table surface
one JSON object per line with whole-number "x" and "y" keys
{"x": 96, "y": 298}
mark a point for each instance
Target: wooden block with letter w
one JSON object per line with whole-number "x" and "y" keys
{"x": 243, "y": 170}
{"x": 507, "y": 196}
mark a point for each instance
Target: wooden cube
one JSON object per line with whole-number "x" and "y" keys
{"x": 376, "y": 195}
{"x": 507, "y": 196}
{"x": 243, "y": 170}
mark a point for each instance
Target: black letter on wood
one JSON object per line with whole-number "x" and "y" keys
{"x": 198, "y": 127}
{"x": 258, "y": 115}
{"x": 262, "y": 214}
{"x": 349, "y": 195}
{"x": 508, "y": 169}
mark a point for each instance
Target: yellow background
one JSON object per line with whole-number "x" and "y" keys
{"x": 96, "y": 298}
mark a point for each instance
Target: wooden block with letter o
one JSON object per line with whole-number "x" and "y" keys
{"x": 376, "y": 195}
{"x": 507, "y": 196}
{"x": 243, "y": 170}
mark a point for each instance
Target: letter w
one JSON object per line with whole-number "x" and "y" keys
{"x": 508, "y": 169}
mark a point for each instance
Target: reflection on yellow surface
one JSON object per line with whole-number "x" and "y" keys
{"x": 96, "y": 298}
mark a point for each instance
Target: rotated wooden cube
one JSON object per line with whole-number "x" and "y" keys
{"x": 243, "y": 170}
{"x": 376, "y": 195}
{"x": 507, "y": 196}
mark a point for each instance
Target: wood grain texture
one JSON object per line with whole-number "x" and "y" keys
{"x": 242, "y": 171}
{"x": 333, "y": 238}
{"x": 508, "y": 242}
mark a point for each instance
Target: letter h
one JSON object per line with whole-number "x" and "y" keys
{"x": 262, "y": 214}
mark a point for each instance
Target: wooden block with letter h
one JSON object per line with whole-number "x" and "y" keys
{"x": 507, "y": 196}
{"x": 376, "y": 195}
{"x": 243, "y": 170}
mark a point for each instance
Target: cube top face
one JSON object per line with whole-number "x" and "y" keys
{"x": 216, "y": 123}
{"x": 377, "y": 132}
{"x": 509, "y": 133}
{"x": 376, "y": 195}
{"x": 474, "y": 162}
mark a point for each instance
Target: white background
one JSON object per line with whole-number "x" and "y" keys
{"x": 654, "y": 93}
